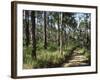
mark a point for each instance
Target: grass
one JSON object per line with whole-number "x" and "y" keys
{"x": 50, "y": 57}
{"x": 84, "y": 51}
{"x": 44, "y": 59}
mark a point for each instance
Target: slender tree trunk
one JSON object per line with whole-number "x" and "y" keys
{"x": 65, "y": 39}
{"x": 61, "y": 33}
{"x": 49, "y": 31}
{"x": 58, "y": 32}
{"x": 33, "y": 34}
{"x": 45, "y": 34}
{"x": 27, "y": 27}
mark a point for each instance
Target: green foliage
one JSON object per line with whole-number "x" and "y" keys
{"x": 81, "y": 50}
{"x": 84, "y": 51}
{"x": 50, "y": 57}
{"x": 52, "y": 47}
{"x": 39, "y": 45}
{"x": 27, "y": 55}
{"x": 87, "y": 54}
{"x": 65, "y": 31}
{"x": 45, "y": 58}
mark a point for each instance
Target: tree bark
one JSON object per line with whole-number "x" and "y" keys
{"x": 45, "y": 34}
{"x": 58, "y": 33}
{"x": 61, "y": 33}
{"x": 33, "y": 34}
{"x": 27, "y": 27}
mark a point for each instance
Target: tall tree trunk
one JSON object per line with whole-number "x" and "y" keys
{"x": 61, "y": 33}
{"x": 65, "y": 46}
{"x": 33, "y": 34}
{"x": 58, "y": 32}
{"x": 45, "y": 35}
{"x": 27, "y": 27}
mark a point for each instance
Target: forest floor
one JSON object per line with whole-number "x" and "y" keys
{"x": 76, "y": 59}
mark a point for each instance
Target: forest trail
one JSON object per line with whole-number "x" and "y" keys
{"x": 76, "y": 59}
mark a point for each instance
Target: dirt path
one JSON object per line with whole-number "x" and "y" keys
{"x": 76, "y": 59}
